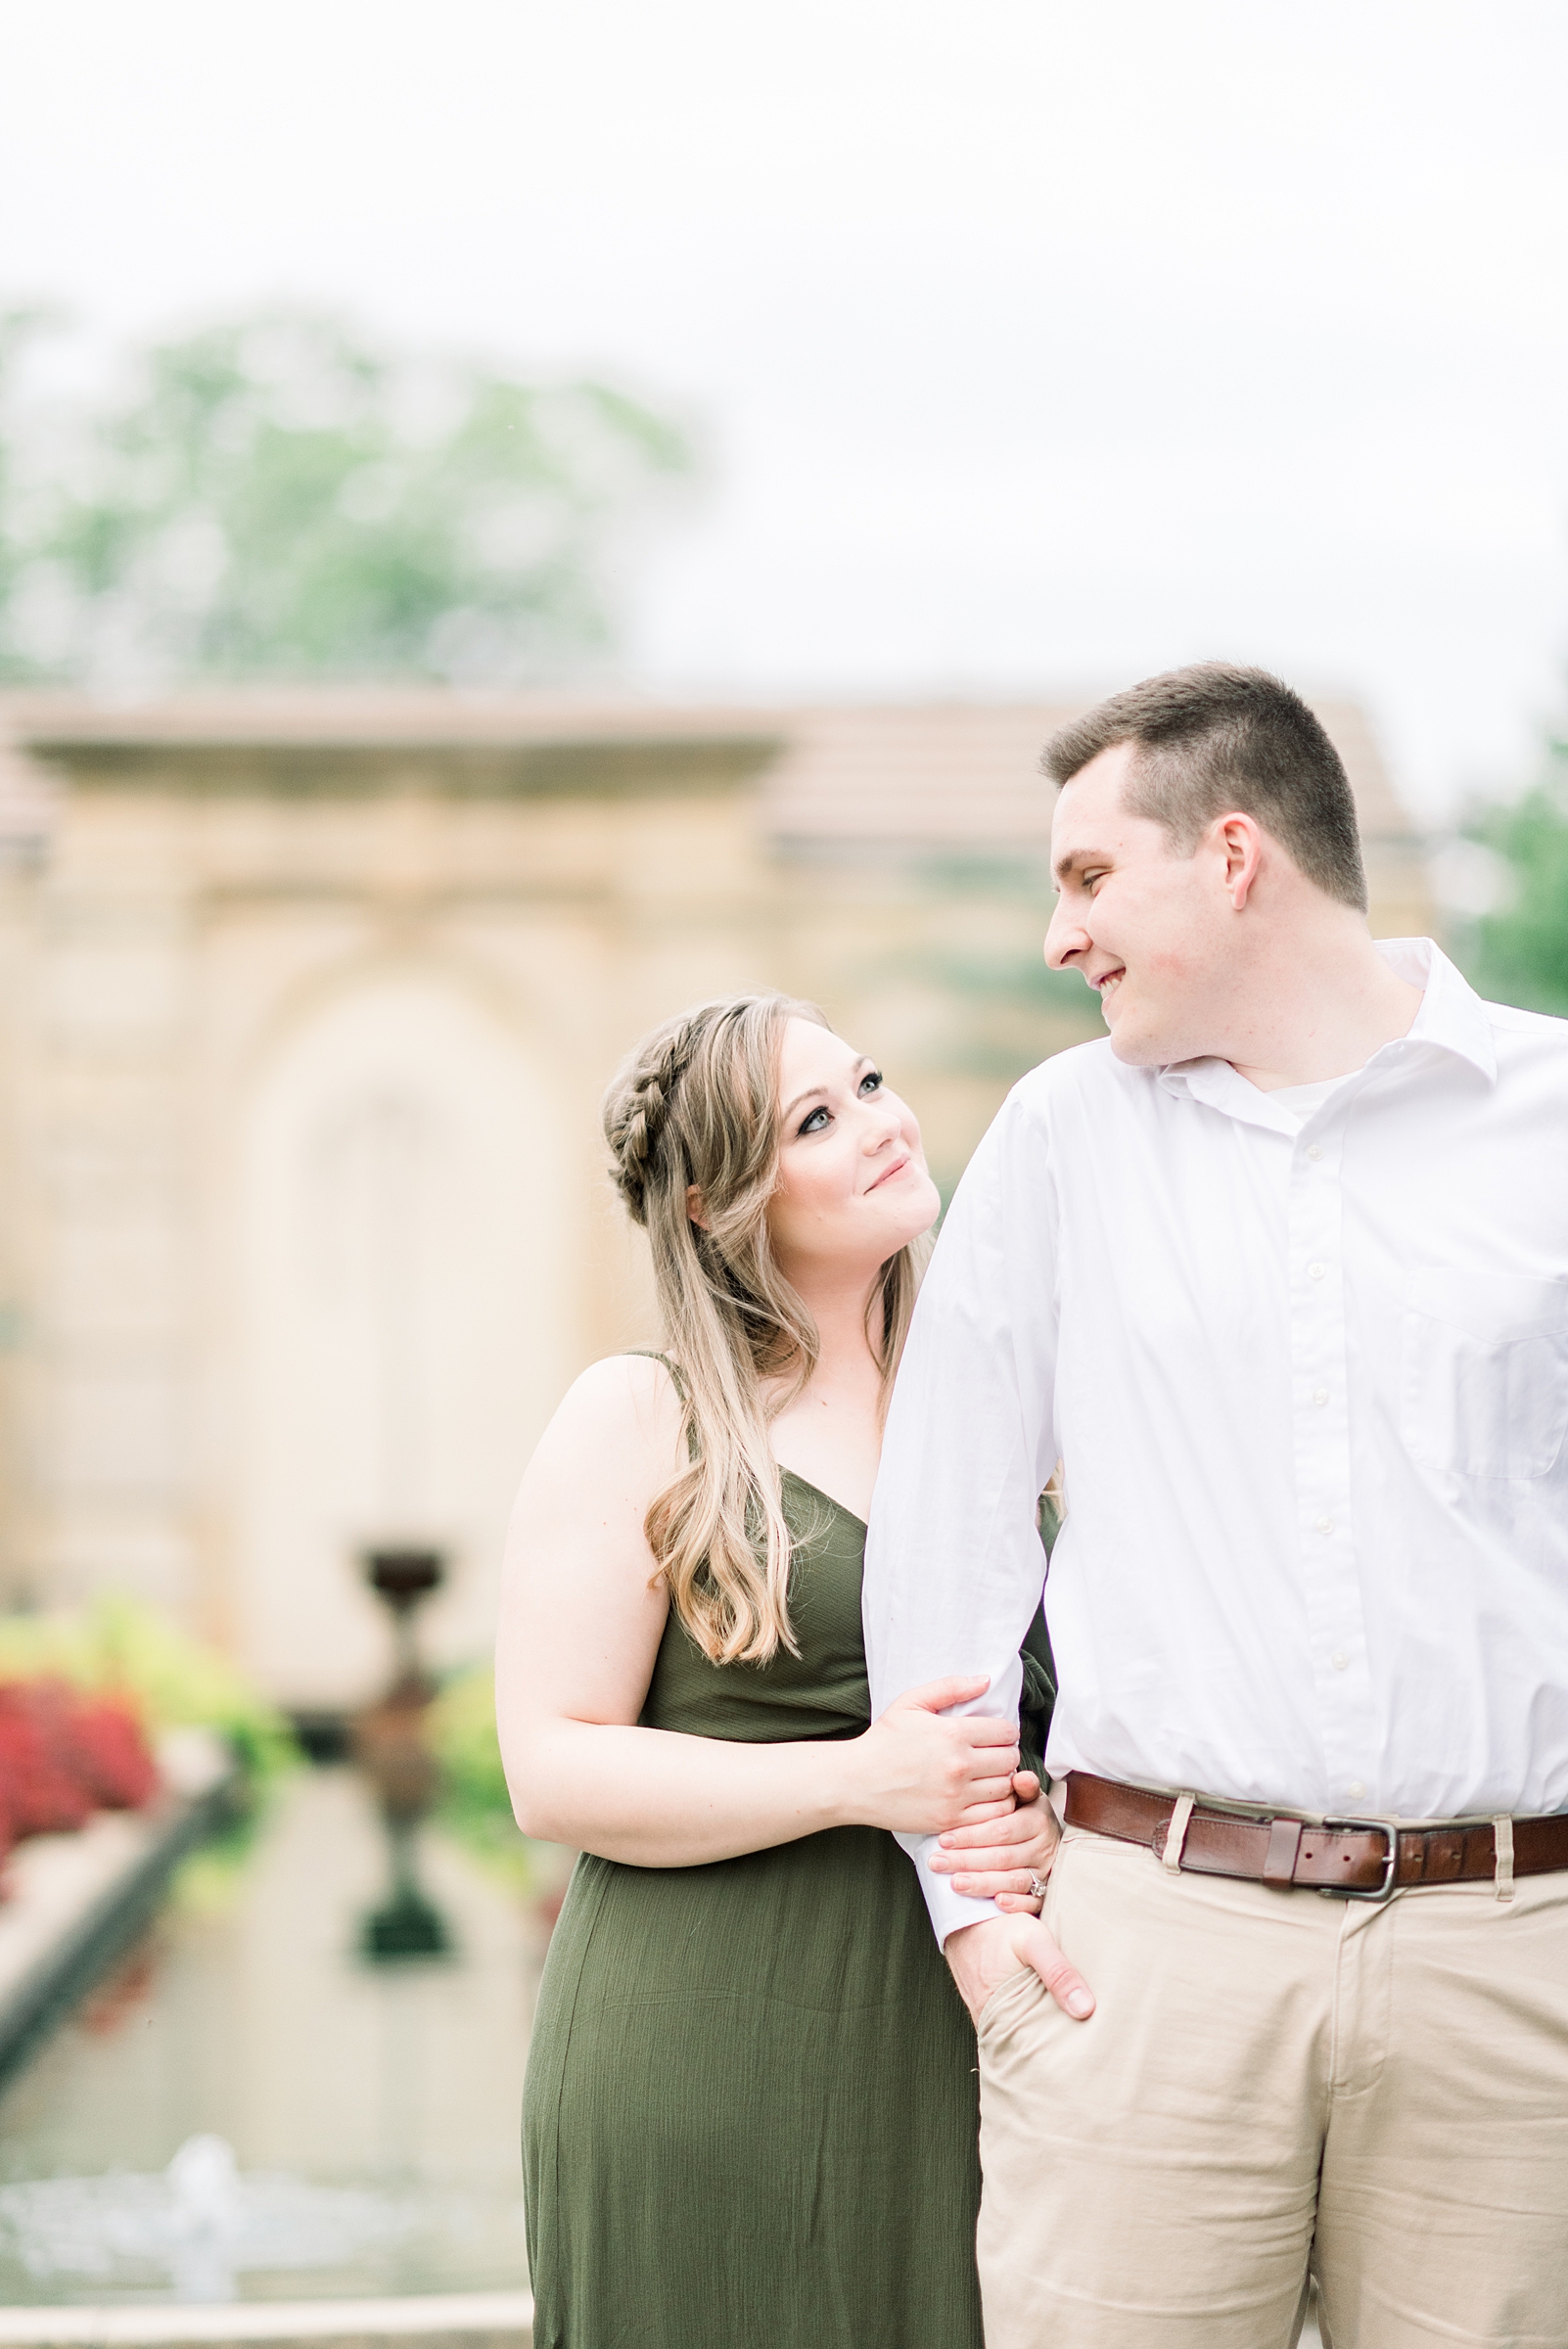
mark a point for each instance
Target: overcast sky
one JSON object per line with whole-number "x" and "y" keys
{"x": 1034, "y": 346}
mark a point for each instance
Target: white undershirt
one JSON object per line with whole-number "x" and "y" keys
{"x": 1302, "y": 1099}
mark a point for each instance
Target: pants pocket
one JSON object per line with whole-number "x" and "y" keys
{"x": 1008, "y": 1999}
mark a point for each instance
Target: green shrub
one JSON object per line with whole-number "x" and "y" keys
{"x": 474, "y": 1804}
{"x": 122, "y": 1645}
{"x": 461, "y": 1728}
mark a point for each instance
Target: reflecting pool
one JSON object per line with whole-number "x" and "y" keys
{"x": 249, "y": 2111}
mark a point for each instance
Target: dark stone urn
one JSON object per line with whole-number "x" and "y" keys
{"x": 390, "y": 1746}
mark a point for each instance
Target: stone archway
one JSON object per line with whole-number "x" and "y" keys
{"x": 404, "y": 1319}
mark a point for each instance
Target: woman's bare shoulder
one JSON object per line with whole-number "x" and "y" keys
{"x": 625, "y": 1409}
{"x": 638, "y": 1386}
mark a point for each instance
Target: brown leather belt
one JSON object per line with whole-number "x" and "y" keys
{"x": 1364, "y": 1858}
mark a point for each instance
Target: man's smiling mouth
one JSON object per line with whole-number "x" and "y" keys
{"x": 1109, "y": 980}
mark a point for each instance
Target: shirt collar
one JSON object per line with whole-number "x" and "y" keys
{"x": 1453, "y": 1016}
{"x": 1451, "y": 1019}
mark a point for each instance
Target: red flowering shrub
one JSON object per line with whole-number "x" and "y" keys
{"x": 110, "y": 1753}
{"x": 63, "y": 1756}
{"x": 46, "y": 1796}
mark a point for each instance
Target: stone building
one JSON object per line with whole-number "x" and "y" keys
{"x": 307, "y": 1005}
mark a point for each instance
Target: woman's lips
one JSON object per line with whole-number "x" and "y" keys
{"x": 888, "y": 1172}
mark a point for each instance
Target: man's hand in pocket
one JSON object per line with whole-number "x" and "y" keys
{"x": 983, "y": 1955}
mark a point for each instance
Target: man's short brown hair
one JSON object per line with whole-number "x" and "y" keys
{"x": 1213, "y": 738}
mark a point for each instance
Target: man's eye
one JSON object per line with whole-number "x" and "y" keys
{"x": 817, "y": 1123}
{"x": 871, "y": 1081}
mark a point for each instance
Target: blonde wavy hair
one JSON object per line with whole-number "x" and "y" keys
{"x": 697, "y": 1103}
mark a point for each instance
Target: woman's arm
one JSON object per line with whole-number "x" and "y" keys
{"x": 580, "y": 1627}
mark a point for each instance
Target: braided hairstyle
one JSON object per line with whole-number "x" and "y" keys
{"x": 692, "y": 1119}
{"x": 635, "y": 1105}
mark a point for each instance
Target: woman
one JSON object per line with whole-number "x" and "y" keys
{"x": 750, "y": 2114}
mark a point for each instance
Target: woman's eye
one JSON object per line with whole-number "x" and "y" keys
{"x": 871, "y": 1081}
{"x": 817, "y": 1123}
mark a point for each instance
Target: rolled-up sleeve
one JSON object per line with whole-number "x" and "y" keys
{"x": 953, "y": 1565}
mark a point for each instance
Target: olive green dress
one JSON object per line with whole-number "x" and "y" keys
{"x": 751, "y": 2108}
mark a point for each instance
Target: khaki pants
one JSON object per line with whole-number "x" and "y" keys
{"x": 1273, "y": 2076}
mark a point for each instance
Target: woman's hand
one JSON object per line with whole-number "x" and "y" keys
{"x": 998, "y": 1859}
{"x": 919, "y": 1769}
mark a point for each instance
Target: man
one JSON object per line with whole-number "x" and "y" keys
{"x": 1279, "y": 1273}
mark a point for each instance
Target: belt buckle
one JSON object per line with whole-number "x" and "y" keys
{"x": 1362, "y": 1892}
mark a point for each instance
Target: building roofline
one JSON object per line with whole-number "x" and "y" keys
{"x": 939, "y": 770}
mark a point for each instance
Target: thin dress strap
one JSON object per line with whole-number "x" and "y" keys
{"x": 651, "y": 1353}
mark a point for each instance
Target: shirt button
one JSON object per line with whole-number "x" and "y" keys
{"x": 1319, "y": 1396}
{"x": 1340, "y": 1660}
{"x": 1325, "y": 1525}
{"x": 1316, "y": 1271}
{"x": 1355, "y": 1789}
{"x": 1314, "y": 1150}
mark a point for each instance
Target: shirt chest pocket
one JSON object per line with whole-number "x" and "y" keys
{"x": 1484, "y": 1372}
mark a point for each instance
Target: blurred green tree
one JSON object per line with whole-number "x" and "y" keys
{"x": 1517, "y": 953}
{"x": 18, "y": 524}
{"x": 281, "y": 497}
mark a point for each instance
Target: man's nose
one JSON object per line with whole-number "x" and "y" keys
{"x": 1065, "y": 936}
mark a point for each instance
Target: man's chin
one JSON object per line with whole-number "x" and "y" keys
{"x": 1135, "y": 1046}
{"x": 1130, "y": 1039}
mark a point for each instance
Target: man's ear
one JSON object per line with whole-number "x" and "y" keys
{"x": 1239, "y": 839}
{"x": 695, "y": 1209}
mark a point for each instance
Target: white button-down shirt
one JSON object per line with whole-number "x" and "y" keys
{"x": 1307, "y": 1375}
